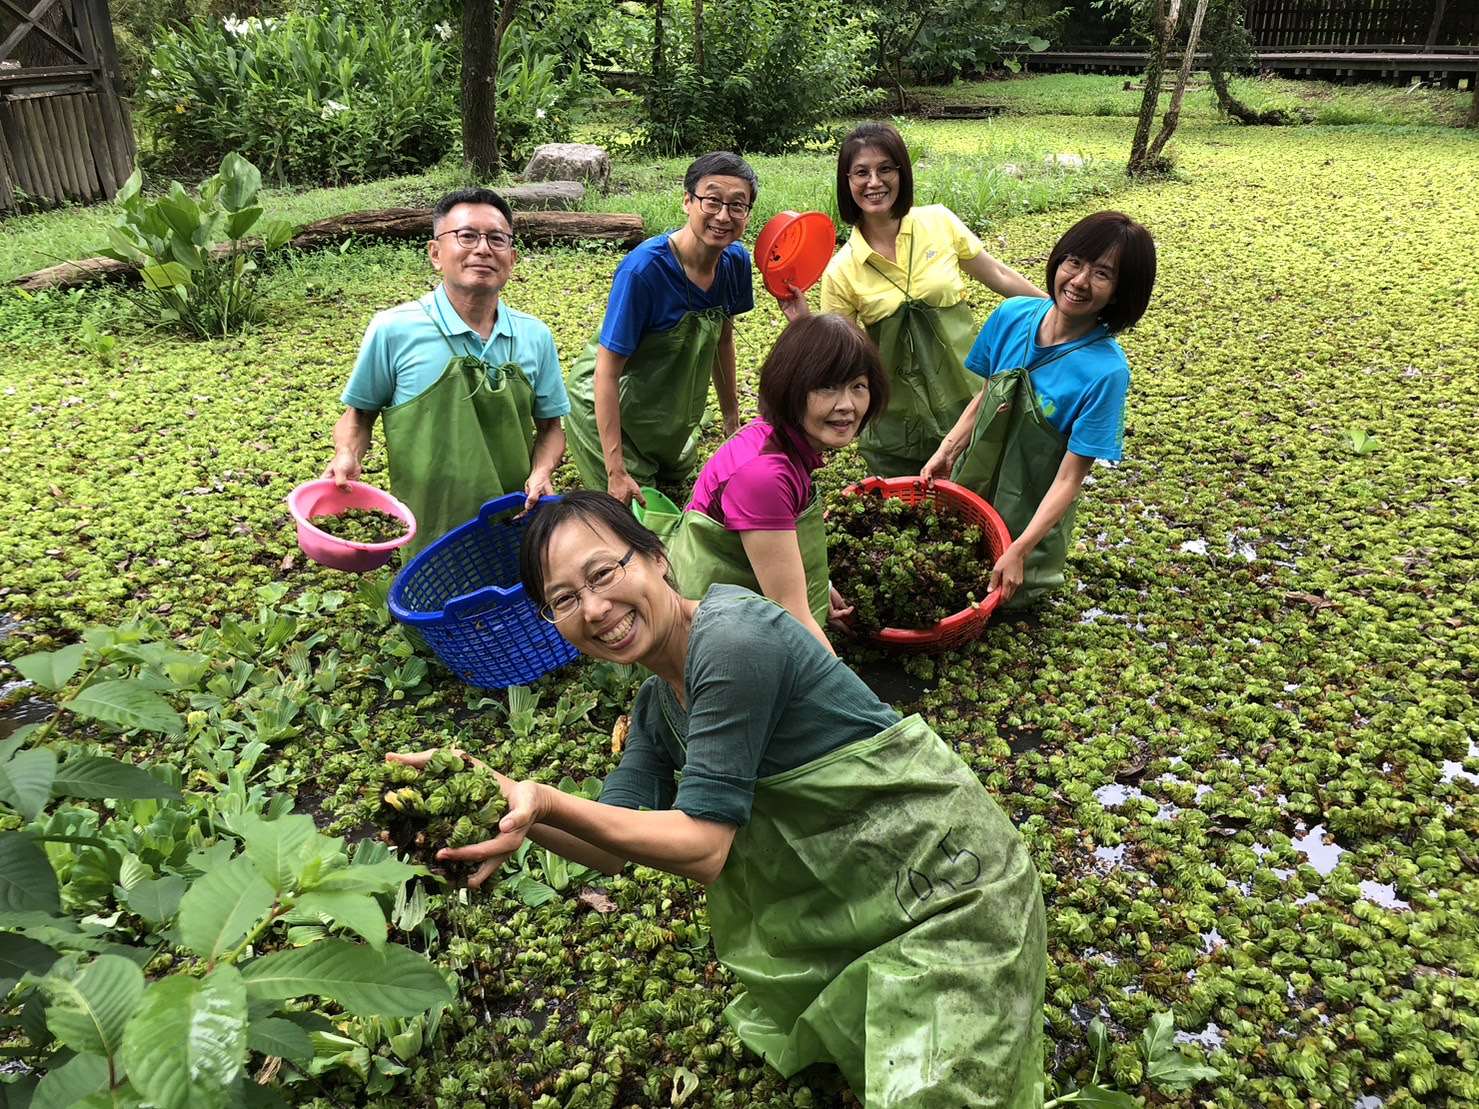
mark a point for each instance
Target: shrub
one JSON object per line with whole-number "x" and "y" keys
{"x": 773, "y": 71}
{"x": 308, "y": 98}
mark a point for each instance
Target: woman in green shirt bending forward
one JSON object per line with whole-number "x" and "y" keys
{"x": 877, "y": 908}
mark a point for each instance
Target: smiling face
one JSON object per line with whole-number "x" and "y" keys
{"x": 1082, "y": 288}
{"x": 477, "y": 269}
{"x": 624, "y": 621}
{"x": 834, "y": 413}
{"x": 873, "y": 180}
{"x": 719, "y": 228}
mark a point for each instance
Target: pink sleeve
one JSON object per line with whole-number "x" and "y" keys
{"x": 763, "y": 495}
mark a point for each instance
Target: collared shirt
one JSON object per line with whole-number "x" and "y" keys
{"x": 652, "y": 292}
{"x": 932, "y": 243}
{"x": 403, "y": 353}
{"x": 754, "y": 483}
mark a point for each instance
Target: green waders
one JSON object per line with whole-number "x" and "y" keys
{"x": 465, "y": 440}
{"x": 704, "y": 553}
{"x": 923, "y": 349}
{"x": 882, "y": 913}
{"x": 1011, "y": 461}
{"x": 664, "y": 387}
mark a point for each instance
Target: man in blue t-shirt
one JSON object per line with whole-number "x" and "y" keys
{"x": 469, "y": 388}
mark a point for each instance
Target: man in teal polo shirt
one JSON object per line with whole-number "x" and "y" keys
{"x": 469, "y": 389}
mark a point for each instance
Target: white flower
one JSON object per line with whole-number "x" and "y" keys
{"x": 237, "y": 27}
{"x": 444, "y": 31}
{"x": 332, "y": 108}
{"x": 154, "y": 73}
{"x": 538, "y": 113}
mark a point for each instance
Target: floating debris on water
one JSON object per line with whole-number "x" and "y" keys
{"x": 1242, "y": 549}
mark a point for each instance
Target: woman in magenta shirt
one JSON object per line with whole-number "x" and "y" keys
{"x": 754, "y": 519}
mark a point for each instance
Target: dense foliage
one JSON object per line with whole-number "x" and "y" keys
{"x": 1242, "y": 745}
{"x": 360, "y": 525}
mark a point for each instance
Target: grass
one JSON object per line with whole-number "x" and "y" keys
{"x": 1268, "y": 639}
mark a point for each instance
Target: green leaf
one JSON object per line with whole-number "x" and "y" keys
{"x": 283, "y": 1038}
{"x": 241, "y": 182}
{"x": 276, "y": 233}
{"x": 218, "y": 909}
{"x": 25, "y": 781}
{"x": 89, "y": 1012}
{"x": 1174, "y": 1071}
{"x": 96, "y": 777}
{"x": 239, "y": 223}
{"x": 358, "y": 911}
{"x": 378, "y": 877}
{"x": 277, "y": 847}
{"x": 21, "y": 955}
{"x": 1098, "y": 1037}
{"x": 16, "y": 740}
{"x": 188, "y": 1043}
{"x": 156, "y": 899}
{"x": 165, "y": 277}
{"x": 127, "y": 703}
{"x": 1159, "y": 1036}
{"x": 1037, "y": 45}
{"x": 392, "y": 982}
{"x": 1098, "y": 1097}
{"x": 70, "y": 1083}
{"x": 123, "y": 1096}
{"x": 52, "y": 669}
{"x": 27, "y": 881}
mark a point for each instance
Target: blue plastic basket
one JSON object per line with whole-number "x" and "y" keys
{"x": 463, "y": 595}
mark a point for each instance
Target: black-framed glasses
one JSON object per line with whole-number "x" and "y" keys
{"x": 711, "y": 204}
{"x": 469, "y": 237}
{"x": 601, "y": 578}
{"x": 862, "y": 173}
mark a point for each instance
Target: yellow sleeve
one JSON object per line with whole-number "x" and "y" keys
{"x": 836, "y": 295}
{"x": 962, "y": 239}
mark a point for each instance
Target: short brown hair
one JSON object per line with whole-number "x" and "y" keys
{"x": 1095, "y": 236}
{"x": 886, "y": 138}
{"x": 813, "y": 353}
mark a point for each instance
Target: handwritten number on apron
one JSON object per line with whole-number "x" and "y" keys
{"x": 964, "y": 870}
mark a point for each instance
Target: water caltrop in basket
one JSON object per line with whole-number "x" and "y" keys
{"x": 464, "y": 597}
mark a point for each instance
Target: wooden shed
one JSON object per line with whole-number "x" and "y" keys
{"x": 65, "y": 133}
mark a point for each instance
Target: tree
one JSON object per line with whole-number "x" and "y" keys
{"x": 484, "y": 23}
{"x": 1173, "y": 114}
{"x": 1163, "y": 30}
{"x": 1473, "y": 120}
{"x": 1230, "y": 48}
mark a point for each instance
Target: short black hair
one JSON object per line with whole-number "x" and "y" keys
{"x": 815, "y": 352}
{"x": 1095, "y": 236}
{"x": 470, "y": 196}
{"x": 886, "y": 137}
{"x": 720, "y": 163}
{"x": 590, "y": 507}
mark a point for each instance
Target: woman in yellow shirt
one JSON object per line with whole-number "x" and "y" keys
{"x": 900, "y": 276}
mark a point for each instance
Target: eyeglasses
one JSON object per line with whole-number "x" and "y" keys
{"x": 469, "y": 237}
{"x": 711, "y": 204}
{"x": 862, "y": 173}
{"x": 1072, "y": 264}
{"x": 599, "y": 580}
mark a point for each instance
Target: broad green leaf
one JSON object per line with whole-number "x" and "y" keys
{"x": 391, "y": 982}
{"x": 156, "y": 899}
{"x": 25, "y": 781}
{"x": 1098, "y": 1043}
{"x": 52, "y": 669}
{"x": 1174, "y": 1071}
{"x": 130, "y": 188}
{"x": 71, "y": 1082}
{"x": 239, "y": 223}
{"x": 16, "y": 740}
{"x": 88, "y": 1013}
{"x": 122, "y": 246}
{"x": 241, "y": 181}
{"x": 133, "y": 870}
{"x": 123, "y": 1096}
{"x": 277, "y": 847}
{"x": 1037, "y": 45}
{"x": 276, "y": 1036}
{"x": 1159, "y": 1036}
{"x": 27, "y": 882}
{"x": 187, "y": 1044}
{"x": 96, "y": 777}
{"x": 1097, "y": 1097}
{"x": 217, "y": 911}
{"x": 276, "y": 233}
{"x": 20, "y": 955}
{"x": 358, "y": 911}
{"x": 127, "y": 703}
{"x": 379, "y": 877}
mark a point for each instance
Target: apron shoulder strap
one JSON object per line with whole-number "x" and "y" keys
{"x": 908, "y": 272}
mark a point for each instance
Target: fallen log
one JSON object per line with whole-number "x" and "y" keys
{"x": 619, "y": 229}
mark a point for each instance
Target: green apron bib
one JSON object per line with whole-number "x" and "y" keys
{"x": 882, "y": 913}
{"x": 663, "y": 390}
{"x": 465, "y": 440}
{"x": 704, "y": 552}
{"x": 923, "y": 349}
{"x": 1011, "y": 460}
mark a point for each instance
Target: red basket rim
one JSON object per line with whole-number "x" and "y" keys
{"x": 967, "y": 620}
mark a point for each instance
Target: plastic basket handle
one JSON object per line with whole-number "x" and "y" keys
{"x": 509, "y": 502}
{"x": 481, "y": 600}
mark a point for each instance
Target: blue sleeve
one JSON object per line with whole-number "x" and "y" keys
{"x": 550, "y": 398}
{"x": 646, "y": 777}
{"x": 371, "y": 384}
{"x": 978, "y": 361}
{"x": 629, "y": 308}
{"x": 741, "y": 288}
{"x": 1099, "y": 428}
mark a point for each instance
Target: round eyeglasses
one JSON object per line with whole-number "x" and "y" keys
{"x": 469, "y": 237}
{"x": 600, "y": 578}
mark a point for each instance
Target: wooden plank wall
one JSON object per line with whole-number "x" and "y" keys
{"x": 1360, "y": 23}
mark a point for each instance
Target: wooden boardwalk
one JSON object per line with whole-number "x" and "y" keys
{"x": 1450, "y": 63}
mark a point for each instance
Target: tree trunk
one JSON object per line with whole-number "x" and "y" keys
{"x": 1239, "y": 111}
{"x": 1165, "y": 29}
{"x": 1473, "y": 120}
{"x": 698, "y": 35}
{"x": 1173, "y": 114}
{"x": 1436, "y": 25}
{"x": 480, "y": 86}
{"x": 657, "y": 59}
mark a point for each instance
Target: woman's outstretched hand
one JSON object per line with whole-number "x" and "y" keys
{"x": 938, "y": 467}
{"x": 794, "y": 307}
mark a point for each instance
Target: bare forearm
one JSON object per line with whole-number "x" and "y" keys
{"x": 576, "y": 849}
{"x": 1058, "y": 499}
{"x": 608, "y": 408}
{"x": 668, "y": 840}
{"x": 999, "y": 277}
{"x": 352, "y": 432}
{"x": 958, "y": 436}
{"x": 549, "y": 446}
{"x": 724, "y": 378}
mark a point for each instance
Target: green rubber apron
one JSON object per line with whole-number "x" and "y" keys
{"x": 466, "y": 439}
{"x": 664, "y": 387}
{"x": 923, "y": 348}
{"x": 704, "y": 552}
{"x": 1011, "y": 460}
{"x": 882, "y": 913}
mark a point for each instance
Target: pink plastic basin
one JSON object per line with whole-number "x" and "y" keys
{"x": 324, "y": 498}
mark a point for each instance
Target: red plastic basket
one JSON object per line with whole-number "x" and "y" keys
{"x": 969, "y": 623}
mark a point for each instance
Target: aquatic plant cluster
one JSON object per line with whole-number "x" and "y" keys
{"x": 360, "y": 525}
{"x": 1243, "y": 744}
